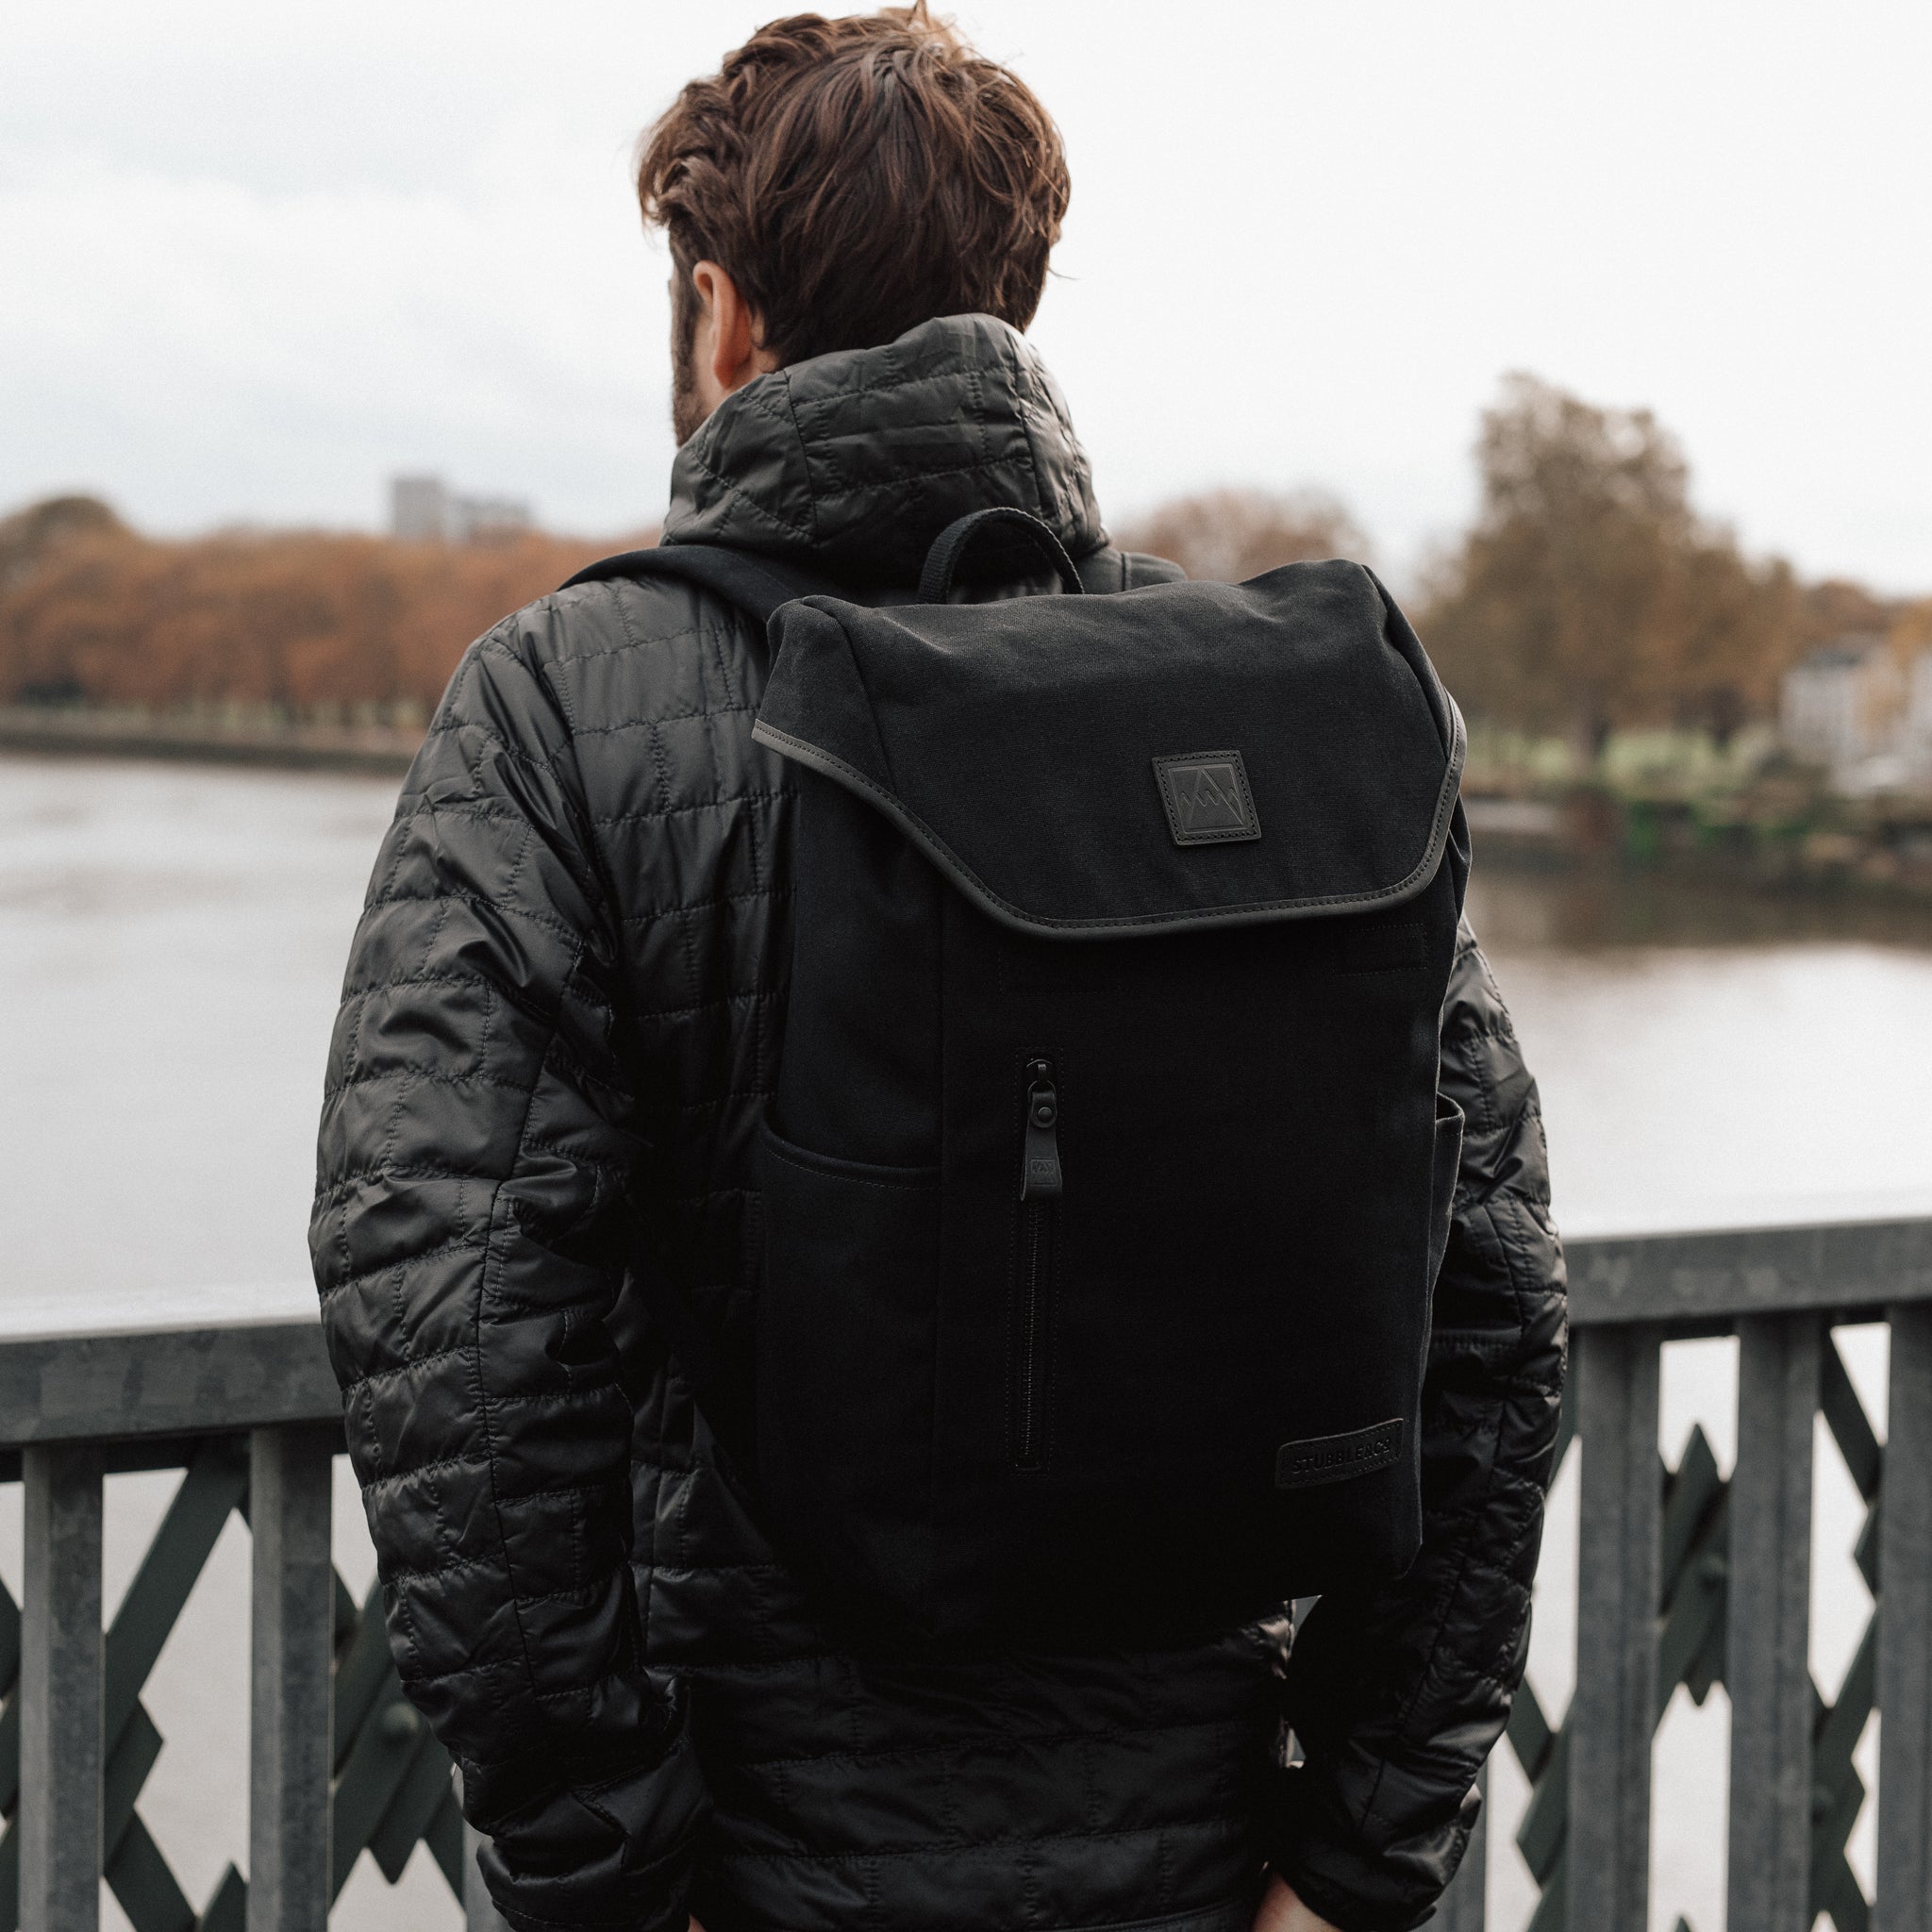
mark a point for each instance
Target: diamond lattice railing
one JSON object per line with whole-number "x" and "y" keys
{"x": 1690, "y": 1652}
{"x": 392, "y": 1790}
{"x": 391, "y": 1787}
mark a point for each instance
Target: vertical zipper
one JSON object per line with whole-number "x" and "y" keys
{"x": 1039, "y": 1187}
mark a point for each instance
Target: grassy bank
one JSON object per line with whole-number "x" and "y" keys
{"x": 1677, "y": 801}
{"x": 229, "y": 734}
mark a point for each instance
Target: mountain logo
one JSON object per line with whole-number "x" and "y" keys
{"x": 1207, "y": 797}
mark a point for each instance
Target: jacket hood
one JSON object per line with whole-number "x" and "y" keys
{"x": 856, "y": 460}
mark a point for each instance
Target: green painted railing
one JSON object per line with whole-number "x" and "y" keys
{"x": 341, "y": 1762}
{"x": 1684, "y": 1577}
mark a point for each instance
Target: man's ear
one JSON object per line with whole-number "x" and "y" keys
{"x": 730, "y": 344}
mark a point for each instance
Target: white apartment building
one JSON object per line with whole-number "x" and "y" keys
{"x": 1843, "y": 704}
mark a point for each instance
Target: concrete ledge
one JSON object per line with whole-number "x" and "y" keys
{"x": 167, "y": 1382}
{"x": 1838, "y": 1267}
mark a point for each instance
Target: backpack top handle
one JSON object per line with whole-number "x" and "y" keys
{"x": 942, "y": 560}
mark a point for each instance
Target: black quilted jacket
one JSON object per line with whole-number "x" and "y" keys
{"x": 563, "y": 1013}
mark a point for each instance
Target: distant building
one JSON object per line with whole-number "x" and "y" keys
{"x": 1918, "y": 722}
{"x": 423, "y": 509}
{"x": 1919, "y": 699}
{"x": 418, "y": 509}
{"x": 1842, "y": 704}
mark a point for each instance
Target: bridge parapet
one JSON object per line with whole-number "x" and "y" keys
{"x": 1684, "y": 1577}
{"x": 340, "y": 1761}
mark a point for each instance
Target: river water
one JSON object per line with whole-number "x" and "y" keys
{"x": 172, "y": 940}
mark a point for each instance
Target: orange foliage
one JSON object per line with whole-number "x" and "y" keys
{"x": 1911, "y": 630}
{"x": 297, "y": 620}
{"x": 1224, "y": 536}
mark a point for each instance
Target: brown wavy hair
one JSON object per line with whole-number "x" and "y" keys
{"x": 858, "y": 176}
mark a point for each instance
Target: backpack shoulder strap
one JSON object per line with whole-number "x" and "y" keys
{"x": 755, "y": 585}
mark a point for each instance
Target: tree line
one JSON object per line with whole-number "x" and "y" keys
{"x": 1589, "y": 593}
{"x": 94, "y": 613}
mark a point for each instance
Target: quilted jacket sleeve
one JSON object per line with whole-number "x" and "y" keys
{"x": 468, "y": 1236}
{"x": 1396, "y": 1696}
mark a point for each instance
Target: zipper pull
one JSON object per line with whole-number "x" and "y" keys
{"x": 1039, "y": 1160}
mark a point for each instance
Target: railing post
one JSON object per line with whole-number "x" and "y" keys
{"x": 1613, "y": 1708}
{"x": 290, "y": 1757}
{"x": 1464, "y": 1905}
{"x": 1768, "y": 1637}
{"x": 1904, "y": 1618}
{"x": 61, "y": 1655}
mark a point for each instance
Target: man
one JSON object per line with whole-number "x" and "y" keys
{"x": 538, "y": 1226}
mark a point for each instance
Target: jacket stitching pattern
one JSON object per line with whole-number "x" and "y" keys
{"x": 533, "y": 770}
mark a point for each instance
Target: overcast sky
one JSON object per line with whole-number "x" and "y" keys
{"x": 253, "y": 258}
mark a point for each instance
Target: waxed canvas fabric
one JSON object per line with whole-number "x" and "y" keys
{"x": 975, "y": 1412}
{"x": 561, "y": 1028}
{"x": 1023, "y": 738}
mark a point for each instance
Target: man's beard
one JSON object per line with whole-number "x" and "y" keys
{"x": 687, "y": 406}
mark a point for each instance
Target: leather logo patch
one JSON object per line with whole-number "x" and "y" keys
{"x": 1335, "y": 1459}
{"x": 1207, "y": 796}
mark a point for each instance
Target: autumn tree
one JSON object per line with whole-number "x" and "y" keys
{"x": 1224, "y": 535}
{"x": 1835, "y": 608}
{"x": 1911, "y": 628}
{"x": 1589, "y": 593}
{"x": 293, "y": 620}
{"x": 29, "y": 537}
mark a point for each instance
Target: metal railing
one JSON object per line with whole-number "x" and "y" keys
{"x": 1684, "y": 1577}
{"x": 340, "y": 1762}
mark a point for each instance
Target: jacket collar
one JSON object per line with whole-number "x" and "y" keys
{"x": 856, "y": 460}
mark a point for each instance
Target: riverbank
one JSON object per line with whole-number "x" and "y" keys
{"x": 1776, "y": 831}
{"x": 1784, "y": 834}
{"x": 249, "y": 737}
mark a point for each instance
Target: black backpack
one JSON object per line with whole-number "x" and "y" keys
{"x": 1107, "y": 1181}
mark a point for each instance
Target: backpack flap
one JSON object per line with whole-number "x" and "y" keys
{"x": 1180, "y": 755}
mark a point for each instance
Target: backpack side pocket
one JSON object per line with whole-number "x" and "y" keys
{"x": 845, "y": 1360}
